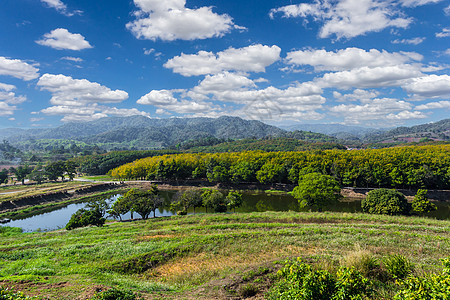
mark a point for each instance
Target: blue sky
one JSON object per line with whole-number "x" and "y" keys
{"x": 355, "y": 62}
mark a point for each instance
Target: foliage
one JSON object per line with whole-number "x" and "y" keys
{"x": 215, "y": 200}
{"x": 120, "y": 207}
{"x": 385, "y": 201}
{"x": 233, "y": 199}
{"x": 416, "y": 167}
{"x": 84, "y": 217}
{"x": 428, "y": 287}
{"x": 114, "y": 294}
{"x": 398, "y": 266}
{"x": 184, "y": 200}
{"x": 7, "y": 294}
{"x": 421, "y": 204}
{"x": 143, "y": 202}
{"x": 300, "y": 281}
{"x": 4, "y": 176}
{"x": 315, "y": 189}
{"x": 21, "y": 173}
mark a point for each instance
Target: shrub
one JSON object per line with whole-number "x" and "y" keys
{"x": 248, "y": 290}
{"x": 84, "y": 217}
{"x": 398, "y": 266}
{"x": 385, "y": 201}
{"x": 115, "y": 294}
{"x": 350, "y": 284}
{"x": 429, "y": 287}
{"x": 363, "y": 261}
{"x": 421, "y": 204}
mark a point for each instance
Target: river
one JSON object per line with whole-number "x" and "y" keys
{"x": 252, "y": 201}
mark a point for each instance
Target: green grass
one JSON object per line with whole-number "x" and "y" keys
{"x": 209, "y": 255}
{"x": 98, "y": 178}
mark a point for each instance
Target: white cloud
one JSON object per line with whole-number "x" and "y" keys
{"x": 358, "y": 95}
{"x": 414, "y": 3}
{"x": 430, "y": 86}
{"x": 148, "y": 51}
{"x": 8, "y": 99}
{"x": 36, "y": 119}
{"x": 7, "y": 87}
{"x": 413, "y": 41}
{"x": 171, "y": 20}
{"x": 444, "y": 33}
{"x": 124, "y": 112}
{"x": 254, "y": 58}
{"x": 78, "y": 92}
{"x": 18, "y": 69}
{"x": 349, "y": 58}
{"x": 382, "y": 111}
{"x": 62, "y": 39}
{"x": 60, "y": 7}
{"x": 447, "y": 10}
{"x": 434, "y": 105}
{"x": 366, "y": 77}
{"x": 6, "y": 110}
{"x": 70, "y": 58}
{"x": 347, "y": 18}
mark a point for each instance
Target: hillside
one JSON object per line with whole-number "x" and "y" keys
{"x": 438, "y": 131}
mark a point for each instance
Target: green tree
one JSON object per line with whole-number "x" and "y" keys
{"x": 144, "y": 202}
{"x": 21, "y": 173}
{"x": 218, "y": 174}
{"x": 70, "y": 169}
{"x": 317, "y": 190}
{"x": 187, "y": 199}
{"x": 85, "y": 217}
{"x": 214, "y": 200}
{"x": 270, "y": 173}
{"x": 385, "y": 201}
{"x": 4, "y": 176}
{"x": 233, "y": 200}
{"x": 38, "y": 174}
{"x": 421, "y": 204}
{"x": 55, "y": 170}
{"x": 120, "y": 207}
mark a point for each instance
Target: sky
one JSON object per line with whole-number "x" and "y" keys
{"x": 373, "y": 63}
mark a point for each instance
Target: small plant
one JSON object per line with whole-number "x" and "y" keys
{"x": 362, "y": 260}
{"x": 115, "y": 294}
{"x": 7, "y": 294}
{"x": 248, "y": 290}
{"x": 421, "y": 204}
{"x": 350, "y": 284}
{"x": 398, "y": 266}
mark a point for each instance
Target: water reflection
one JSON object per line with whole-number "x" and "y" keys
{"x": 252, "y": 202}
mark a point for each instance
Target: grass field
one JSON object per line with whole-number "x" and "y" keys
{"x": 210, "y": 256}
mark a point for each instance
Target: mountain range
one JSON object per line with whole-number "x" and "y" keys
{"x": 140, "y": 132}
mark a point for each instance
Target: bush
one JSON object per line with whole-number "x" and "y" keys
{"x": 421, "y": 204}
{"x": 115, "y": 294}
{"x": 84, "y": 218}
{"x": 385, "y": 201}
{"x": 350, "y": 284}
{"x": 363, "y": 261}
{"x": 248, "y": 290}
{"x": 429, "y": 287}
{"x": 398, "y": 266}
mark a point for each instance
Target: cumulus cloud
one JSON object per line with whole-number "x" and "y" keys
{"x": 62, "y": 39}
{"x": 60, "y": 7}
{"x": 171, "y": 20}
{"x": 366, "y": 77}
{"x": 363, "y": 96}
{"x": 430, "y": 86}
{"x": 413, "y": 41}
{"x": 380, "y": 110}
{"x": 78, "y": 99}
{"x": 8, "y": 99}
{"x": 18, "y": 68}
{"x": 444, "y": 33}
{"x": 347, "y": 18}
{"x": 349, "y": 58}
{"x": 254, "y": 58}
{"x": 434, "y": 105}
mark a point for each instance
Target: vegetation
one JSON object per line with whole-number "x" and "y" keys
{"x": 407, "y": 167}
{"x": 210, "y": 256}
{"x": 85, "y": 217}
{"x": 385, "y": 201}
{"x": 421, "y": 204}
{"x": 317, "y": 190}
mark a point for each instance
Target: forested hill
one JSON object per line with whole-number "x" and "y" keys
{"x": 142, "y": 132}
{"x": 433, "y": 131}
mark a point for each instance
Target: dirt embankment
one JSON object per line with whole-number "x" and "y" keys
{"x": 23, "y": 202}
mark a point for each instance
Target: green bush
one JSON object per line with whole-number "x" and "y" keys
{"x": 385, "y": 201}
{"x": 115, "y": 294}
{"x": 398, "y": 266}
{"x": 421, "y": 204}
{"x": 429, "y": 287}
{"x": 248, "y": 290}
{"x": 299, "y": 281}
{"x": 7, "y": 294}
{"x": 85, "y": 217}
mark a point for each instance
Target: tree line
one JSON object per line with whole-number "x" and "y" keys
{"x": 401, "y": 167}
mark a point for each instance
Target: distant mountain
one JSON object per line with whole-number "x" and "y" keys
{"x": 439, "y": 131}
{"x": 337, "y": 130}
{"x": 143, "y": 132}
